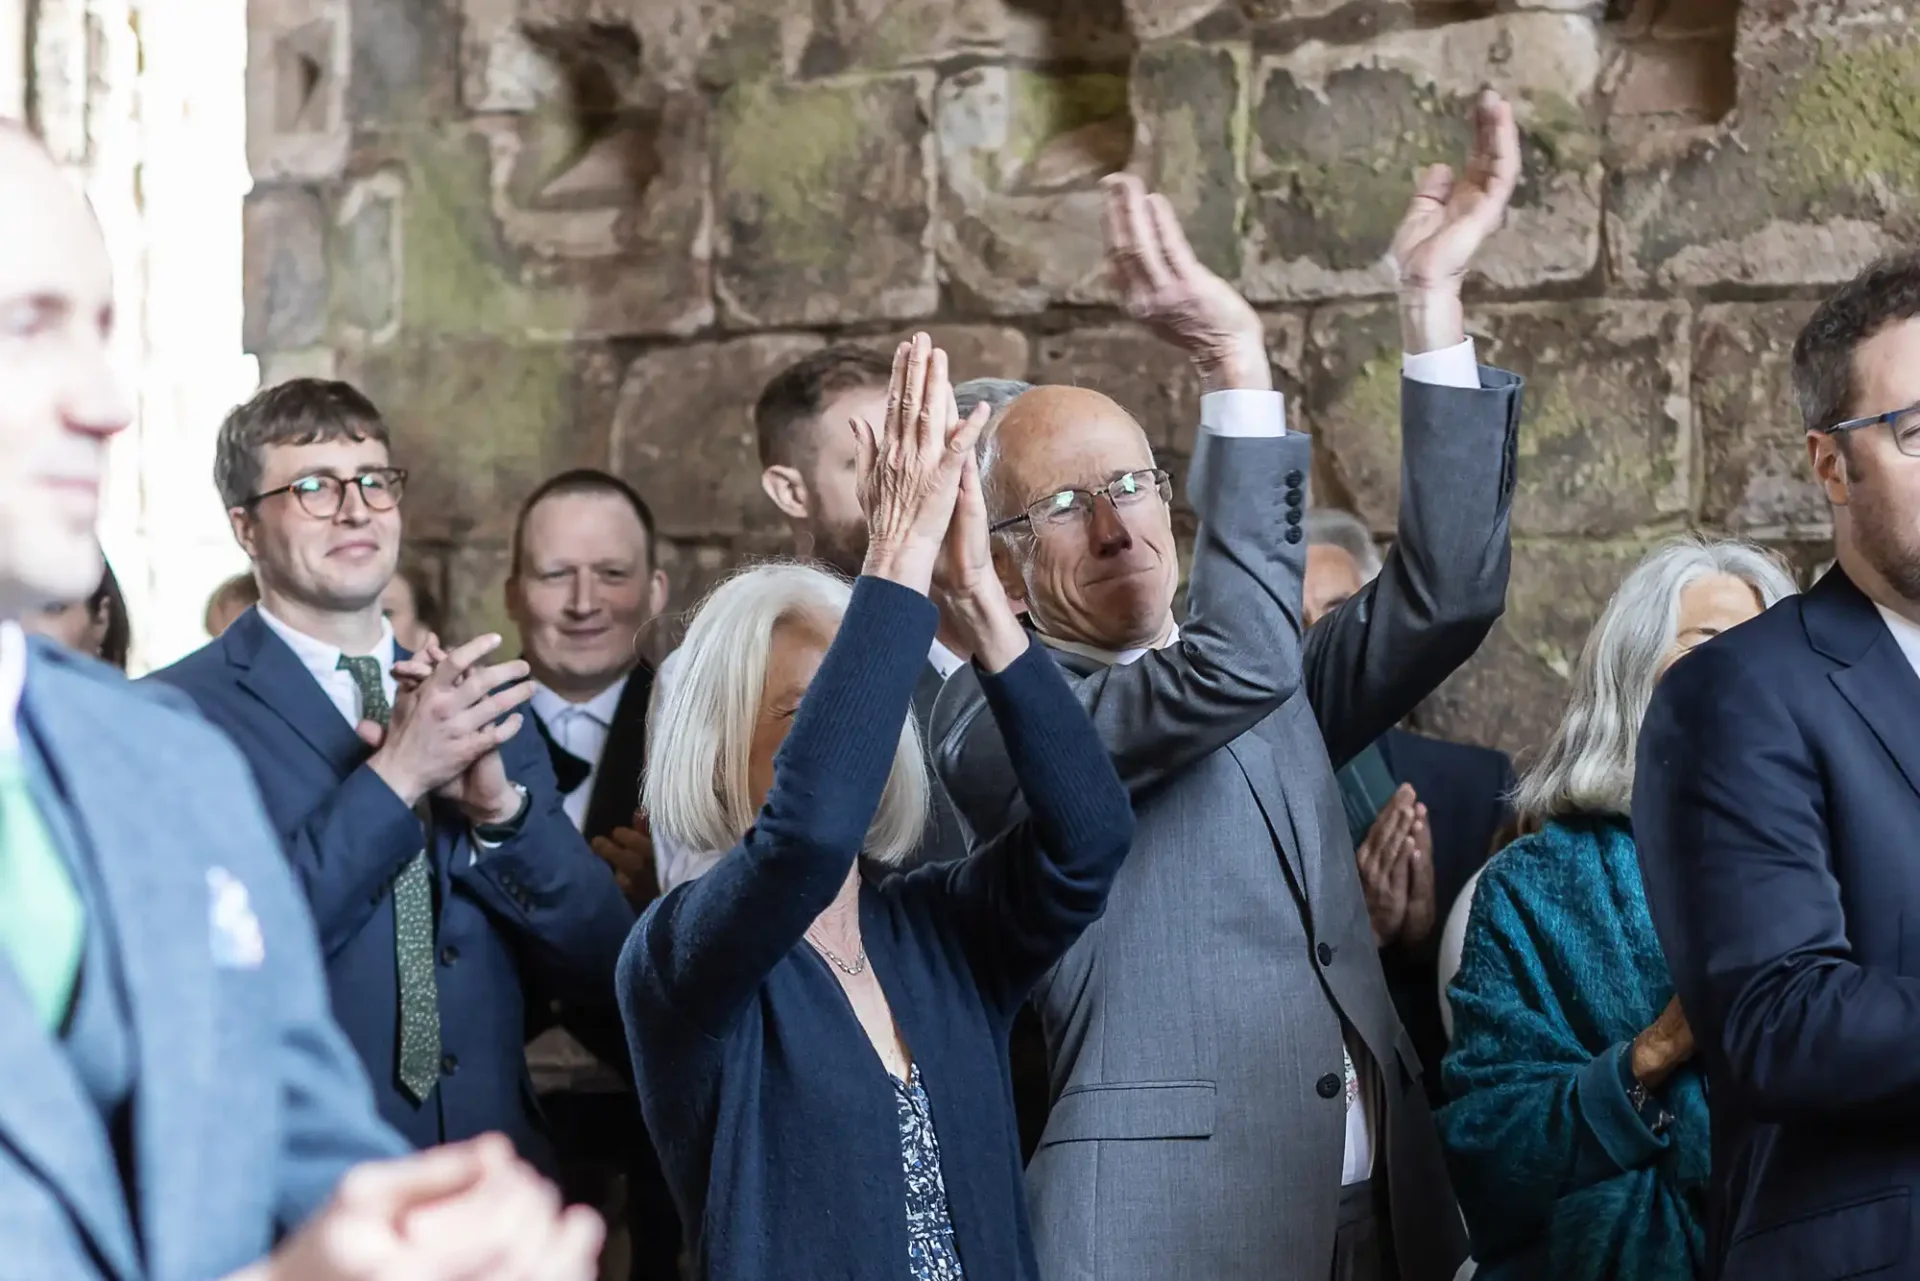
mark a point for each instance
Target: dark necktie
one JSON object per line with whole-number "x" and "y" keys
{"x": 419, "y": 1064}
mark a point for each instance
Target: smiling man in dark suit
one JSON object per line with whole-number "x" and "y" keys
{"x": 446, "y": 881}
{"x": 582, "y": 585}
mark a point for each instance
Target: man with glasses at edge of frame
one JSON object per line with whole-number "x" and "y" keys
{"x": 419, "y": 811}
{"x": 1775, "y": 805}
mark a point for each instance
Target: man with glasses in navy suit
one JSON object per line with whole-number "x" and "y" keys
{"x": 419, "y": 814}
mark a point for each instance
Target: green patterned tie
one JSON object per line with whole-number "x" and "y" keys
{"x": 42, "y": 922}
{"x": 413, "y": 926}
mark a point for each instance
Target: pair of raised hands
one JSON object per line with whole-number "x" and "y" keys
{"x": 919, "y": 485}
{"x": 462, "y": 1212}
{"x": 1162, "y": 284}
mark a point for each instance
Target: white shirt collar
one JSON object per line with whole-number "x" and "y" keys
{"x": 318, "y": 656}
{"x": 1107, "y": 656}
{"x": 13, "y": 683}
{"x": 1906, "y": 634}
{"x": 600, "y": 709}
{"x": 944, "y": 660}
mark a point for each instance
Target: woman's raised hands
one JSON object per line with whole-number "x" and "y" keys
{"x": 909, "y": 468}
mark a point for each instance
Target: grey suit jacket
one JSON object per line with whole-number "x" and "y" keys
{"x": 248, "y": 1103}
{"x": 1195, "y": 1032}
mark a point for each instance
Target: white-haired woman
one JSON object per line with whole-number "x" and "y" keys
{"x": 1577, "y": 1135}
{"x": 821, "y": 1045}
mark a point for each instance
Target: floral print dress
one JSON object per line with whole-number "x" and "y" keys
{"x": 931, "y": 1254}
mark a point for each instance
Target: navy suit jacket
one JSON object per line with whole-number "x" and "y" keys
{"x": 540, "y": 915}
{"x": 1777, "y": 813}
{"x": 248, "y": 1103}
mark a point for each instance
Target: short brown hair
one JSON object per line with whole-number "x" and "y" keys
{"x": 582, "y": 480}
{"x": 301, "y": 411}
{"x": 1887, "y": 293}
{"x": 790, "y": 405}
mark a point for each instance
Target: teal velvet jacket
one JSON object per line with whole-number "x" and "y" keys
{"x": 1560, "y": 1178}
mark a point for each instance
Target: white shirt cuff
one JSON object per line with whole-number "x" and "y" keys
{"x": 1243, "y": 411}
{"x": 1455, "y": 366}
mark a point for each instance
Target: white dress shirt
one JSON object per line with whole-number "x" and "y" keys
{"x": 582, "y": 729}
{"x": 1905, "y": 634}
{"x": 675, "y": 863}
{"x": 1243, "y": 412}
{"x": 13, "y": 683}
{"x": 323, "y": 660}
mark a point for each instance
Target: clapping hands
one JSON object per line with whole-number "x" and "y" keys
{"x": 909, "y": 468}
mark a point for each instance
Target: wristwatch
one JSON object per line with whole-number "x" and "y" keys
{"x": 500, "y": 833}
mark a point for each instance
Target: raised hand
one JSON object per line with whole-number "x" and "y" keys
{"x": 908, "y": 470}
{"x": 1165, "y": 287}
{"x": 1449, "y": 218}
{"x": 968, "y": 591}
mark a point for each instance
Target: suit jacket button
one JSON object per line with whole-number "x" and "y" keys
{"x": 449, "y": 954}
{"x": 1295, "y": 497}
{"x": 1293, "y": 533}
{"x": 1329, "y": 1085}
{"x": 449, "y": 1064}
{"x": 1293, "y": 515}
{"x": 1294, "y": 479}
{"x": 1325, "y": 953}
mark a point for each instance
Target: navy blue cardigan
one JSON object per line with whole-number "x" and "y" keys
{"x": 775, "y": 1121}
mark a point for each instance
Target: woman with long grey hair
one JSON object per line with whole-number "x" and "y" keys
{"x": 821, "y": 1045}
{"x": 1577, "y": 1135}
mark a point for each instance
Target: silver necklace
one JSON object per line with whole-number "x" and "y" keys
{"x": 852, "y": 970}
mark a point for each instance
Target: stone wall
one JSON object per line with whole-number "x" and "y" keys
{"x": 554, "y": 232}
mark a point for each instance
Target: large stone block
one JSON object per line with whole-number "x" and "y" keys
{"x": 366, "y": 257}
{"x": 695, "y": 569}
{"x": 298, "y": 57}
{"x": 476, "y": 575}
{"x": 479, "y": 423}
{"x": 518, "y": 227}
{"x": 1340, "y": 132}
{"x": 1753, "y": 443}
{"x": 1513, "y": 691}
{"x": 683, "y": 433}
{"x": 406, "y": 61}
{"x": 973, "y": 351}
{"x": 1021, "y": 155}
{"x": 1190, "y": 134}
{"x": 1606, "y": 440}
{"x": 825, "y": 202}
{"x": 284, "y": 266}
{"x": 1151, "y": 379}
{"x": 1812, "y": 178}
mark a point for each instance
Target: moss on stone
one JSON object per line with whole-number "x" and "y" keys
{"x": 1563, "y": 132}
{"x": 789, "y": 161}
{"x": 459, "y": 274}
{"x": 1043, "y": 107}
{"x": 1855, "y": 119}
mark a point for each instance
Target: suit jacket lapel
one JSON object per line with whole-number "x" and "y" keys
{"x": 1878, "y": 680}
{"x": 1263, "y": 776}
{"x": 273, "y": 674}
{"x": 157, "y": 912}
{"x": 616, "y": 788}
